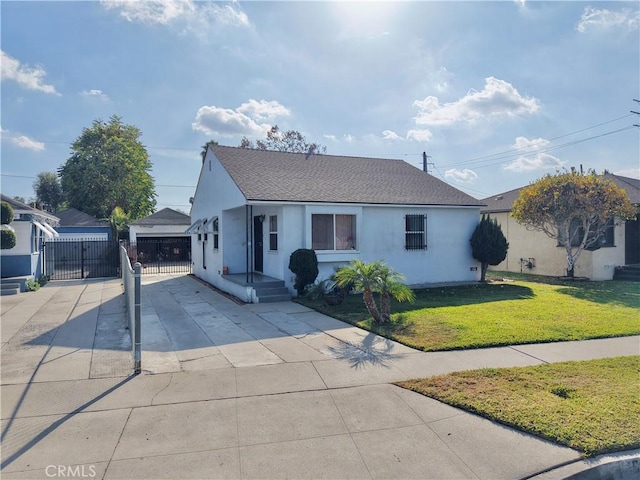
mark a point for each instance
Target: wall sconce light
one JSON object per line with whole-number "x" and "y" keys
{"x": 261, "y": 217}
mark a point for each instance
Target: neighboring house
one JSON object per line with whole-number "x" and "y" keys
{"x": 253, "y": 208}
{"x": 32, "y": 226}
{"x": 77, "y": 225}
{"x": 161, "y": 237}
{"x": 535, "y": 252}
{"x": 165, "y": 223}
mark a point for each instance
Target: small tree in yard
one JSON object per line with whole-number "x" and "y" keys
{"x": 8, "y": 236}
{"x": 488, "y": 244}
{"x": 573, "y": 208}
{"x": 304, "y": 263}
{"x": 375, "y": 277}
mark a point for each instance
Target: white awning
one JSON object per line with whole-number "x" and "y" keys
{"x": 194, "y": 228}
{"x": 46, "y": 229}
{"x": 208, "y": 225}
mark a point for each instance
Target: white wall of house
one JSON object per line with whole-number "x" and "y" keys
{"x": 136, "y": 231}
{"x": 24, "y": 238}
{"x": 549, "y": 258}
{"x": 83, "y": 236}
{"x": 218, "y": 196}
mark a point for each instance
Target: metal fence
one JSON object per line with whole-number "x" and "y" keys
{"x": 79, "y": 259}
{"x": 161, "y": 255}
{"x": 132, "y": 290}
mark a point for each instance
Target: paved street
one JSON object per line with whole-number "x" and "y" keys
{"x": 241, "y": 391}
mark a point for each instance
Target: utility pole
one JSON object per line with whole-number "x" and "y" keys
{"x": 425, "y": 163}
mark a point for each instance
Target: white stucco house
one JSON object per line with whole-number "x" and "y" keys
{"x": 253, "y": 208}
{"x": 534, "y": 252}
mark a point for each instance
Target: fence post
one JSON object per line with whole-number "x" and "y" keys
{"x": 137, "y": 302}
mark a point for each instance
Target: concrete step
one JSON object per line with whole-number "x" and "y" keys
{"x": 7, "y": 288}
{"x": 628, "y": 273}
{"x": 266, "y": 294}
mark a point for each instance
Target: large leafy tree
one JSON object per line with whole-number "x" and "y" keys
{"x": 48, "y": 190}
{"x": 371, "y": 278}
{"x": 289, "y": 141}
{"x": 488, "y": 244}
{"x": 573, "y": 208}
{"x": 108, "y": 168}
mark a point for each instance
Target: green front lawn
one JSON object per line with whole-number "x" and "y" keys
{"x": 502, "y": 313}
{"x": 592, "y": 406}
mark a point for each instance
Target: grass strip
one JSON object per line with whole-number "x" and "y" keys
{"x": 591, "y": 406}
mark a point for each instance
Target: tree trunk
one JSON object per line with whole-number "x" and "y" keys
{"x": 385, "y": 306}
{"x": 571, "y": 265}
{"x": 483, "y": 270}
{"x": 370, "y": 302}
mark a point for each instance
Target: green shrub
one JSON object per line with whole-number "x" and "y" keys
{"x": 304, "y": 263}
{"x": 7, "y": 213}
{"x": 32, "y": 285}
{"x": 8, "y": 239}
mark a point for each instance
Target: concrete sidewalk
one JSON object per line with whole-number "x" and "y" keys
{"x": 254, "y": 391}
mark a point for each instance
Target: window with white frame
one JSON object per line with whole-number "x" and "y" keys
{"x": 333, "y": 232}
{"x": 415, "y": 232}
{"x": 273, "y": 233}
{"x": 216, "y": 233}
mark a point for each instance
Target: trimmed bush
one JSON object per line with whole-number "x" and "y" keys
{"x": 8, "y": 239}
{"x": 7, "y": 213}
{"x": 304, "y": 263}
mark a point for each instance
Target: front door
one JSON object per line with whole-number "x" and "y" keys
{"x": 632, "y": 242}
{"x": 257, "y": 244}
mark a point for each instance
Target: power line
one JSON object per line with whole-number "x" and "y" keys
{"x": 549, "y": 140}
{"x": 481, "y": 163}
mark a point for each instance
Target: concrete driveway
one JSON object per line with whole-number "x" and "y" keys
{"x": 241, "y": 391}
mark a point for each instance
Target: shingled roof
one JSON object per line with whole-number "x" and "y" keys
{"x": 503, "y": 202}
{"x": 19, "y": 208}
{"x": 166, "y": 216}
{"x": 72, "y": 217}
{"x": 264, "y": 175}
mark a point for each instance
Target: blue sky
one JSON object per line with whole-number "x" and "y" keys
{"x": 496, "y": 93}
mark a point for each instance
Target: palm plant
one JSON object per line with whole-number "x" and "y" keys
{"x": 375, "y": 277}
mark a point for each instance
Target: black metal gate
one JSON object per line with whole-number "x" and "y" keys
{"x": 162, "y": 255}
{"x": 78, "y": 259}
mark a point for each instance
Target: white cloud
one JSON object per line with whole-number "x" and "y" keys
{"x": 497, "y": 99}
{"x": 244, "y": 120}
{"x": 330, "y": 137}
{"x": 96, "y": 94}
{"x": 461, "y": 176}
{"x": 349, "y": 138}
{"x": 27, "y": 77}
{"x": 603, "y": 18}
{"x": 214, "y": 120}
{"x": 420, "y": 135}
{"x": 263, "y": 110}
{"x": 390, "y": 135}
{"x": 535, "y": 158}
{"x": 164, "y": 12}
{"x": 21, "y": 141}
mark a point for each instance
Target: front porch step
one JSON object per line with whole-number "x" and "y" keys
{"x": 9, "y": 288}
{"x": 272, "y": 293}
{"x": 629, "y": 273}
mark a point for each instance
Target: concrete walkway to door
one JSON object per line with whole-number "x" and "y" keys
{"x": 243, "y": 391}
